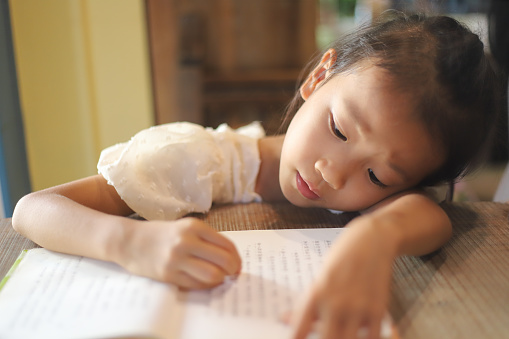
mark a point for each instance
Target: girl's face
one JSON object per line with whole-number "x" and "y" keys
{"x": 354, "y": 143}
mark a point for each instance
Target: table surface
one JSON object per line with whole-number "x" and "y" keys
{"x": 460, "y": 291}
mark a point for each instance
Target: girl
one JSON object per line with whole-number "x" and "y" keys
{"x": 402, "y": 104}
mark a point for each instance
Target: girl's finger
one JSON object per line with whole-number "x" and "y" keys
{"x": 198, "y": 230}
{"x": 303, "y": 318}
{"x": 216, "y": 255}
{"x": 202, "y": 270}
{"x": 339, "y": 325}
{"x": 209, "y": 234}
{"x": 186, "y": 282}
{"x": 347, "y": 329}
{"x": 374, "y": 328}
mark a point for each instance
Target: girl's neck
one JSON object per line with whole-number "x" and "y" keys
{"x": 267, "y": 182}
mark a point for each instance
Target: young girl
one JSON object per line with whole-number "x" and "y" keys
{"x": 402, "y": 104}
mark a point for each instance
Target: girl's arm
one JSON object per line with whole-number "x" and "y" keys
{"x": 353, "y": 289}
{"x": 86, "y": 217}
{"x": 416, "y": 224}
{"x": 75, "y": 218}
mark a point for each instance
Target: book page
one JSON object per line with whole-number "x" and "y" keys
{"x": 54, "y": 295}
{"x": 277, "y": 267}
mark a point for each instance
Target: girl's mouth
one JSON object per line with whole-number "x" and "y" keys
{"x": 304, "y": 189}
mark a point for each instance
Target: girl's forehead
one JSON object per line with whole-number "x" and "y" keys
{"x": 365, "y": 76}
{"x": 371, "y": 87}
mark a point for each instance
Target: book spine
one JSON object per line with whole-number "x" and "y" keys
{"x": 12, "y": 269}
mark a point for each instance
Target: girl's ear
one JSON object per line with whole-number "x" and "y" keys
{"x": 319, "y": 74}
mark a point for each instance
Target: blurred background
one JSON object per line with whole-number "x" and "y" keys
{"x": 78, "y": 76}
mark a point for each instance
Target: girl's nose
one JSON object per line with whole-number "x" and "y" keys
{"x": 333, "y": 175}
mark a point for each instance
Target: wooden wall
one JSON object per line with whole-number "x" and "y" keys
{"x": 228, "y": 60}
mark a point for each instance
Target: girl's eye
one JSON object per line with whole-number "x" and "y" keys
{"x": 334, "y": 128}
{"x": 374, "y": 179}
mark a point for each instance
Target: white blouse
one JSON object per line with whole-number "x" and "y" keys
{"x": 168, "y": 171}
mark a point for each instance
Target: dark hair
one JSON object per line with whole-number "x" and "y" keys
{"x": 442, "y": 65}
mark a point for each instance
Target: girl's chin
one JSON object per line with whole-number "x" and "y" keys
{"x": 295, "y": 198}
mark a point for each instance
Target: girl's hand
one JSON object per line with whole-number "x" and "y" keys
{"x": 352, "y": 292}
{"x": 186, "y": 252}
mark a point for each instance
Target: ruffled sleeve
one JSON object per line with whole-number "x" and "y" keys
{"x": 168, "y": 171}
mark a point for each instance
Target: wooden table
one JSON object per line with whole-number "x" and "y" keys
{"x": 461, "y": 291}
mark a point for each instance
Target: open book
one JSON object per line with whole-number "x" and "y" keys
{"x": 53, "y": 295}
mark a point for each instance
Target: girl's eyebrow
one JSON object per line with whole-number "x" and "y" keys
{"x": 357, "y": 117}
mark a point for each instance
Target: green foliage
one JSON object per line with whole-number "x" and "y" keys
{"x": 346, "y": 7}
